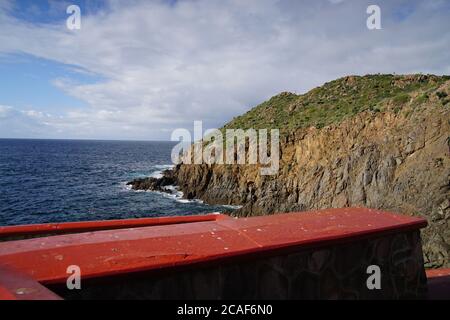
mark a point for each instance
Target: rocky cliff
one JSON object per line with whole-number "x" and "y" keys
{"x": 378, "y": 141}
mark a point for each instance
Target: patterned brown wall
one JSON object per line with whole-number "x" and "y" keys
{"x": 329, "y": 272}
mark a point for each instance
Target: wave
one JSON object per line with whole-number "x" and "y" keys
{"x": 158, "y": 174}
{"x": 177, "y": 195}
{"x": 173, "y": 191}
{"x": 234, "y": 207}
{"x": 125, "y": 187}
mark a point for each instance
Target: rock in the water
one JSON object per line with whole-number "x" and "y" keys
{"x": 154, "y": 184}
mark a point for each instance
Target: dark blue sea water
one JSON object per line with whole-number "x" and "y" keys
{"x": 67, "y": 180}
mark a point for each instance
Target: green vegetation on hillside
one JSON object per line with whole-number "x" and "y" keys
{"x": 339, "y": 99}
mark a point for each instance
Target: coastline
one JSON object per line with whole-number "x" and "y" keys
{"x": 164, "y": 182}
{"x": 395, "y": 158}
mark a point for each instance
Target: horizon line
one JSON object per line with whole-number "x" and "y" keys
{"x": 87, "y": 139}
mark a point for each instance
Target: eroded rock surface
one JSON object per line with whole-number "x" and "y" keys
{"x": 394, "y": 157}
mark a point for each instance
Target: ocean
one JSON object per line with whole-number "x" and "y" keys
{"x": 78, "y": 180}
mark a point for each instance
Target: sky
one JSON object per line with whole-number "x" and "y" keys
{"x": 137, "y": 70}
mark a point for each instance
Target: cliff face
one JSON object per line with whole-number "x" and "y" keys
{"x": 393, "y": 156}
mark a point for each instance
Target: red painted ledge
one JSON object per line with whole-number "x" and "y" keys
{"x": 438, "y": 284}
{"x": 15, "y": 285}
{"x": 111, "y": 252}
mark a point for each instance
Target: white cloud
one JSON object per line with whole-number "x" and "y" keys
{"x": 5, "y": 111}
{"x": 165, "y": 66}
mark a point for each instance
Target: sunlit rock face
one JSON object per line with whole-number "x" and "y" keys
{"x": 377, "y": 141}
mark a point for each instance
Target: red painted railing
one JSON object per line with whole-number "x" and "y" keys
{"x": 88, "y": 226}
{"x": 107, "y": 248}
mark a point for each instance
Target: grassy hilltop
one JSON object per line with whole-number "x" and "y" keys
{"x": 340, "y": 99}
